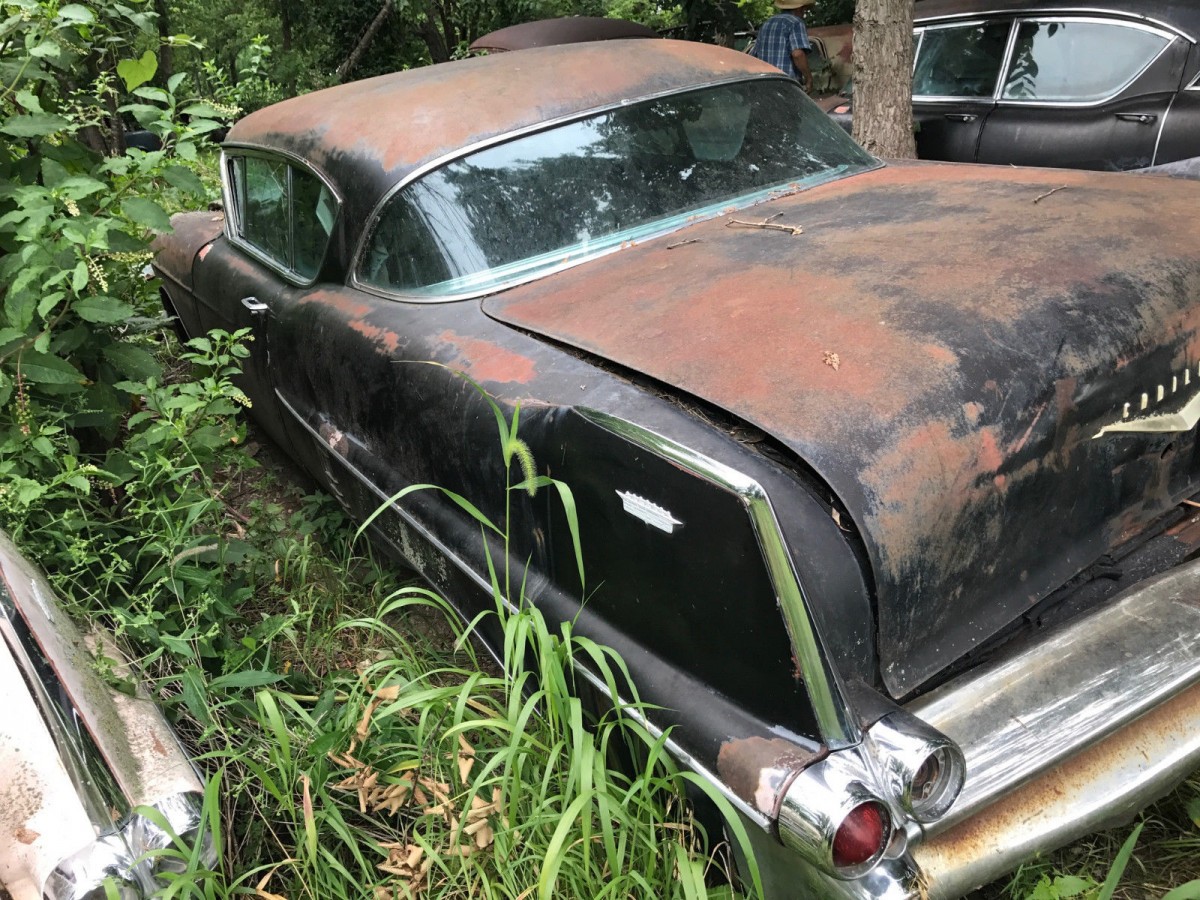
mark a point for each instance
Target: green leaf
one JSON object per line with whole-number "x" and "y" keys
{"x": 147, "y": 213}
{"x": 76, "y": 14}
{"x": 28, "y": 101}
{"x": 33, "y": 125}
{"x": 1189, "y": 891}
{"x": 185, "y": 179}
{"x": 79, "y": 278}
{"x": 204, "y": 110}
{"x": 6, "y": 386}
{"x": 8, "y": 335}
{"x": 79, "y": 186}
{"x": 132, "y": 362}
{"x": 246, "y": 679}
{"x": 102, "y": 310}
{"x": 1118, "y": 867}
{"x": 49, "y": 302}
{"x": 44, "y": 368}
{"x": 175, "y": 80}
{"x": 136, "y": 72}
{"x": 1072, "y": 885}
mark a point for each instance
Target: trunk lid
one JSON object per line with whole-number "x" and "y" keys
{"x": 948, "y": 348}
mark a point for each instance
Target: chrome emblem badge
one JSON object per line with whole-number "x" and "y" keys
{"x": 1183, "y": 418}
{"x": 650, "y": 513}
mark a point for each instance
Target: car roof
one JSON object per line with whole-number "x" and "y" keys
{"x": 569, "y": 30}
{"x": 368, "y": 135}
{"x": 1182, "y": 16}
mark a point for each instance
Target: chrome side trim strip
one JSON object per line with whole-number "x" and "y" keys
{"x": 673, "y": 748}
{"x": 1020, "y": 716}
{"x": 1162, "y": 126}
{"x": 834, "y": 715}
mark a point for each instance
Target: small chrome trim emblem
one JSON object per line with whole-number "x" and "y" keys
{"x": 1184, "y": 418}
{"x": 650, "y": 513}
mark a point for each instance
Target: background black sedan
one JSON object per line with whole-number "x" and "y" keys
{"x": 1112, "y": 87}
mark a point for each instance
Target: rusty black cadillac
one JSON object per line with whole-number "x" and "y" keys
{"x": 883, "y": 471}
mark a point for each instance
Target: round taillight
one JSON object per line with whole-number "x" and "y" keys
{"x": 862, "y": 836}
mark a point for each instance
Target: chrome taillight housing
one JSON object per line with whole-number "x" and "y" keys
{"x": 849, "y": 810}
{"x": 832, "y": 816}
{"x": 922, "y": 768}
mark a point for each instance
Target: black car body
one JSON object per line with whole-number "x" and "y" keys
{"x": 826, "y": 507}
{"x": 1107, "y": 86}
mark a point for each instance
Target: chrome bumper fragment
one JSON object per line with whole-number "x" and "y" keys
{"x": 89, "y": 776}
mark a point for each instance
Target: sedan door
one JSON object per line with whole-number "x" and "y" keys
{"x": 1083, "y": 93}
{"x": 955, "y": 75}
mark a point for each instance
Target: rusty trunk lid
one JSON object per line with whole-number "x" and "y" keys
{"x": 945, "y": 346}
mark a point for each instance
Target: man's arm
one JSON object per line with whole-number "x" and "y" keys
{"x": 800, "y": 61}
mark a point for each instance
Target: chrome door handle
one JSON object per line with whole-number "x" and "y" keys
{"x": 1143, "y": 118}
{"x": 961, "y": 117}
{"x": 256, "y": 306}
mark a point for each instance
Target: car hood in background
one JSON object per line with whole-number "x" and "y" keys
{"x": 943, "y": 345}
{"x": 571, "y": 30}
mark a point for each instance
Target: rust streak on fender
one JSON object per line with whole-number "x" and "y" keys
{"x": 484, "y": 361}
{"x": 759, "y": 770}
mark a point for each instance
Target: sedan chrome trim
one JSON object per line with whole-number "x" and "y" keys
{"x": 1108, "y": 14}
{"x": 835, "y": 717}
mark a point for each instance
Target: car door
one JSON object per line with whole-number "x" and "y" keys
{"x": 1180, "y": 135}
{"x": 280, "y": 220}
{"x": 957, "y": 67}
{"x": 1083, "y": 93}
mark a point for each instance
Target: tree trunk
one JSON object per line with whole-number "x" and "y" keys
{"x": 883, "y": 121}
{"x": 364, "y": 42}
{"x": 166, "y": 53}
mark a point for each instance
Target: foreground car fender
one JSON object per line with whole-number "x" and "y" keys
{"x": 78, "y": 758}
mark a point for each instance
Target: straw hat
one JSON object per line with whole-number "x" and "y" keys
{"x": 793, "y": 4}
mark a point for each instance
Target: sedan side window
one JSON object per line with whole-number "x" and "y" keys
{"x": 960, "y": 60}
{"x": 1078, "y": 61}
{"x": 283, "y": 212}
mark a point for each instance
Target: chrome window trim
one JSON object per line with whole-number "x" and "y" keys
{"x": 436, "y": 163}
{"x": 1079, "y": 104}
{"x": 1195, "y": 84}
{"x": 835, "y": 719}
{"x": 230, "y": 151}
{"x": 1162, "y": 126}
{"x": 966, "y": 23}
{"x": 1106, "y": 14}
{"x": 683, "y": 756}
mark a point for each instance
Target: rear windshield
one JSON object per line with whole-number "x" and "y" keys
{"x": 525, "y": 207}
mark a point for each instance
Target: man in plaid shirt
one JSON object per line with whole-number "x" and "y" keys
{"x": 783, "y": 41}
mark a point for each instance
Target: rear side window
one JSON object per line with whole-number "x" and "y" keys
{"x": 960, "y": 60}
{"x": 281, "y": 212}
{"x": 1078, "y": 61}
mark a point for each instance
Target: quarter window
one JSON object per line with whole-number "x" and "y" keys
{"x": 1078, "y": 61}
{"x": 960, "y": 60}
{"x": 283, "y": 212}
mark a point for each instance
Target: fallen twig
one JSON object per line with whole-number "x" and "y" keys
{"x": 766, "y": 224}
{"x": 683, "y": 243}
{"x": 1041, "y": 197}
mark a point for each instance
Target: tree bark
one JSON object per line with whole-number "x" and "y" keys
{"x": 364, "y": 42}
{"x": 883, "y": 121}
{"x": 166, "y": 53}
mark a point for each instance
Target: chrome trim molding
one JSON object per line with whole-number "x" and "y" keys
{"x": 1057, "y": 10}
{"x": 410, "y": 520}
{"x": 1162, "y": 126}
{"x": 834, "y": 715}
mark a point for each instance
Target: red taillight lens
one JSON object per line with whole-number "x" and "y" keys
{"x": 862, "y": 835}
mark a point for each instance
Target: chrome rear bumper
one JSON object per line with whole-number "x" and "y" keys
{"x": 1061, "y": 739}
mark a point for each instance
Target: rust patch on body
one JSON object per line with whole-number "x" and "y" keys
{"x": 485, "y": 361}
{"x": 26, "y": 835}
{"x": 759, "y": 770}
